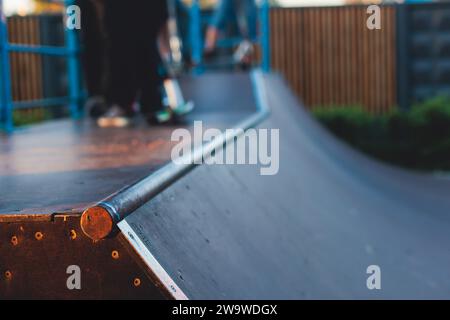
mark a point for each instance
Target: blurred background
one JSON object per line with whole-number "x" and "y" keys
{"x": 384, "y": 91}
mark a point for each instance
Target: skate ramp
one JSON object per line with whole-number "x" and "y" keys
{"x": 310, "y": 232}
{"x": 224, "y": 231}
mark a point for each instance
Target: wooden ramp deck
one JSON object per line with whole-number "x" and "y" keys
{"x": 67, "y": 166}
{"x": 51, "y": 173}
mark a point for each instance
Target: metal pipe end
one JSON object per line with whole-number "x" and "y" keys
{"x": 97, "y": 223}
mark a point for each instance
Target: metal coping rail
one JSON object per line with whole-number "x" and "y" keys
{"x": 99, "y": 221}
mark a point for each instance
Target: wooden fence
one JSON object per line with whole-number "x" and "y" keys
{"x": 330, "y": 57}
{"x": 26, "y": 68}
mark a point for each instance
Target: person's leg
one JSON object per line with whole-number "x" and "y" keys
{"x": 122, "y": 88}
{"x": 92, "y": 56}
{"x": 222, "y": 14}
{"x": 153, "y": 20}
{"x": 122, "y": 50}
{"x": 150, "y": 79}
{"x": 247, "y": 13}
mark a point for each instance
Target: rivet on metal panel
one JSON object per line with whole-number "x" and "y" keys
{"x": 73, "y": 234}
{"x": 137, "y": 282}
{"x": 39, "y": 236}
{"x": 14, "y": 240}
{"x": 8, "y": 275}
{"x": 115, "y": 254}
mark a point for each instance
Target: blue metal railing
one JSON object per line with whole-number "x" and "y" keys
{"x": 196, "y": 37}
{"x": 70, "y": 51}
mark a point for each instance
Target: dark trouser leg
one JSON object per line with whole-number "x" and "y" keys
{"x": 94, "y": 48}
{"x": 123, "y": 51}
{"x": 133, "y": 52}
{"x": 150, "y": 81}
{"x": 123, "y": 82}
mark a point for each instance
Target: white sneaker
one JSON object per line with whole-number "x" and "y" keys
{"x": 115, "y": 117}
{"x": 244, "y": 52}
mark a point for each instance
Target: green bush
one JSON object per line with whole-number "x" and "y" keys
{"x": 418, "y": 139}
{"x": 31, "y": 116}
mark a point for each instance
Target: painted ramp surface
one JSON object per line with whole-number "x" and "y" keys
{"x": 67, "y": 166}
{"x": 51, "y": 174}
{"x": 216, "y": 232}
{"x": 311, "y": 231}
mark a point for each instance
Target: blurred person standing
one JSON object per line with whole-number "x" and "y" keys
{"x": 132, "y": 29}
{"x": 242, "y": 12}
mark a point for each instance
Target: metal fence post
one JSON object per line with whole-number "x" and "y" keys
{"x": 403, "y": 55}
{"x": 265, "y": 35}
{"x": 196, "y": 34}
{"x": 72, "y": 47}
{"x": 2, "y": 106}
{"x": 6, "y": 98}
